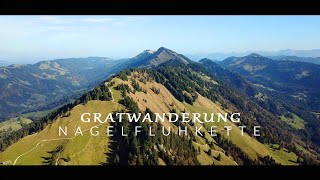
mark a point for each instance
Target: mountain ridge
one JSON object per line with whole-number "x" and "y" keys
{"x": 314, "y": 60}
{"x": 145, "y": 89}
{"x": 34, "y": 86}
{"x": 220, "y": 56}
{"x": 290, "y": 86}
{"x": 164, "y": 81}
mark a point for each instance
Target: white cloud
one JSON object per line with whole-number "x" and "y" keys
{"x": 74, "y": 20}
{"x": 55, "y": 19}
{"x": 48, "y": 18}
{"x": 120, "y": 23}
{"x": 135, "y": 18}
{"x": 64, "y": 36}
{"x": 98, "y": 20}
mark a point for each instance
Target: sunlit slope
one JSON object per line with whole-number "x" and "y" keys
{"x": 79, "y": 149}
{"x": 164, "y": 101}
{"x": 13, "y": 124}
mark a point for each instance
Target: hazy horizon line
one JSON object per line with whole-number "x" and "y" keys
{"x": 200, "y": 55}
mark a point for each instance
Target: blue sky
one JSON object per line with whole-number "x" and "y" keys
{"x": 35, "y": 38}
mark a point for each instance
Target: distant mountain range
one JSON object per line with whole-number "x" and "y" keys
{"x": 279, "y": 75}
{"x": 217, "y": 56}
{"x": 315, "y": 60}
{"x": 4, "y": 63}
{"x": 294, "y": 78}
{"x": 284, "y": 86}
{"x": 45, "y": 85}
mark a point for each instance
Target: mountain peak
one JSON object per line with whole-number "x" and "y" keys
{"x": 144, "y": 54}
{"x": 205, "y": 60}
{"x": 162, "y": 49}
{"x": 166, "y": 50}
{"x": 164, "y": 54}
{"x": 154, "y": 58}
{"x": 254, "y": 55}
{"x": 150, "y": 51}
